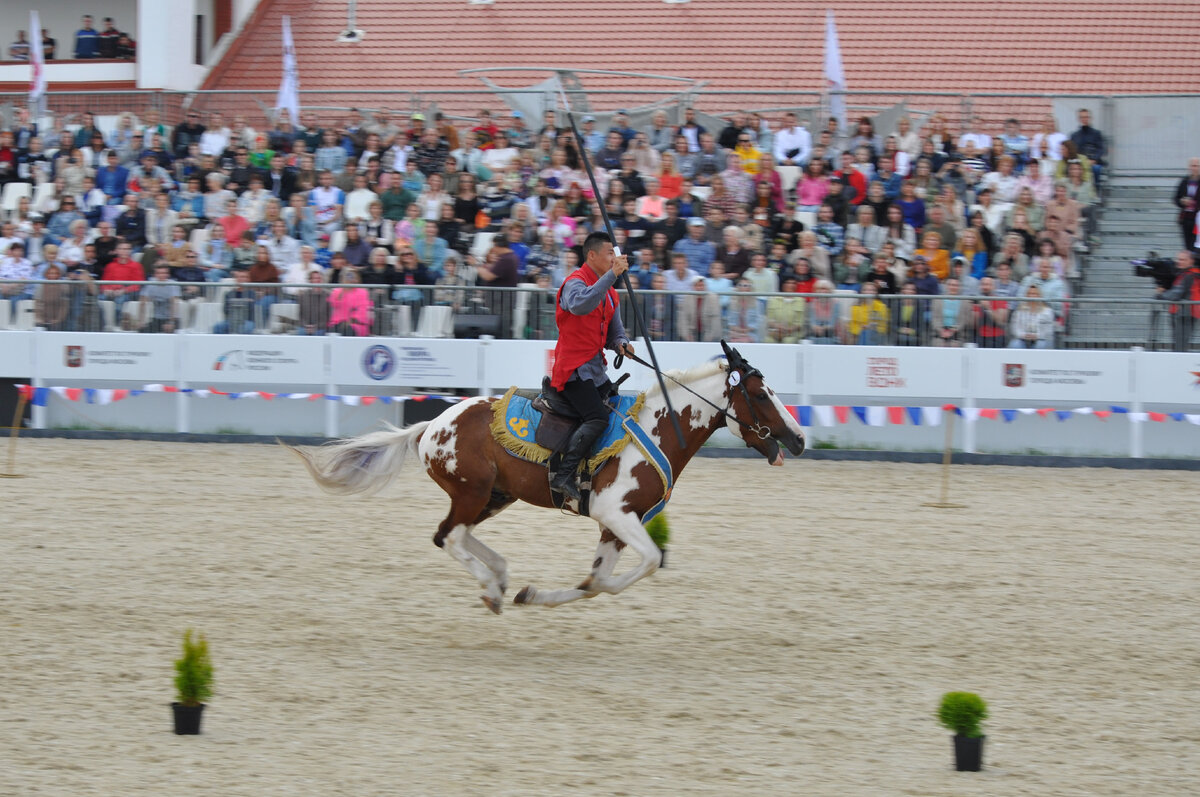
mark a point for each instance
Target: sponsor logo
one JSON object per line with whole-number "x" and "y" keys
{"x": 73, "y": 356}
{"x": 232, "y": 360}
{"x": 884, "y": 372}
{"x": 1014, "y": 375}
{"x": 1195, "y": 384}
{"x": 378, "y": 362}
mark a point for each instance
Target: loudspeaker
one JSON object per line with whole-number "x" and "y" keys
{"x": 472, "y": 326}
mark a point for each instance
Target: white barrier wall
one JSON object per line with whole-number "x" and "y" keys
{"x": 805, "y": 374}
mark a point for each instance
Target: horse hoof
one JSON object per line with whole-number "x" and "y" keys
{"x": 525, "y": 595}
{"x": 494, "y": 605}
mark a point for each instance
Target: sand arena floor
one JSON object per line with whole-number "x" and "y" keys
{"x": 798, "y": 643}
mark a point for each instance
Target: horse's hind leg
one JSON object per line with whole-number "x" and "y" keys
{"x": 607, "y": 554}
{"x": 454, "y": 534}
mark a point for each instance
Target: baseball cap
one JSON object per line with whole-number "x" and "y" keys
{"x": 418, "y": 117}
{"x": 695, "y": 221}
{"x": 518, "y": 115}
{"x": 589, "y": 118}
{"x": 36, "y": 217}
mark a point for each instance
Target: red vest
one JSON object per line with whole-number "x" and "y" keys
{"x": 1193, "y": 294}
{"x": 580, "y": 337}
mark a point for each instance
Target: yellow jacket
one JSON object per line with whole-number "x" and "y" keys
{"x": 873, "y": 315}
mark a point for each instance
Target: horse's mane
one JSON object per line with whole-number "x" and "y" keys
{"x": 689, "y": 375}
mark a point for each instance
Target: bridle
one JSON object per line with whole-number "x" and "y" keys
{"x": 743, "y": 370}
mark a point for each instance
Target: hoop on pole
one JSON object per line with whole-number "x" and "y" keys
{"x": 11, "y": 473}
{"x": 945, "y": 502}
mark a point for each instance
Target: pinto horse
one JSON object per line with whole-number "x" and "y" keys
{"x": 482, "y": 478}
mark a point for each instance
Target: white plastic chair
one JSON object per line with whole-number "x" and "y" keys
{"x": 108, "y": 314}
{"x": 198, "y": 239}
{"x": 520, "y": 313}
{"x": 43, "y": 198}
{"x": 23, "y": 317}
{"x": 404, "y": 321}
{"x": 481, "y": 244}
{"x": 207, "y": 315}
{"x": 337, "y": 241}
{"x": 281, "y": 311}
{"x": 131, "y": 311}
{"x": 13, "y": 192}
{"x": 436, "y": 321}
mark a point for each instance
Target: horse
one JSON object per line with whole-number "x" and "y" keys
{"x": 482, "y": 478}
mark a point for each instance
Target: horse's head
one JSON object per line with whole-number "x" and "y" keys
{"x": 755, "y": 413}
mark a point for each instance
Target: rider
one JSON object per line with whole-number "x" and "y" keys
{"x": 588, "y": 321}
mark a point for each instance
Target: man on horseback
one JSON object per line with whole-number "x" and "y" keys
{"x": 588, "y": 321}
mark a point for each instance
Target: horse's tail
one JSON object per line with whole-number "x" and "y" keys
{"x": 363, "y": 464}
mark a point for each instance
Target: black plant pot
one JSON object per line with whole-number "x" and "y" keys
{"x": 187, "y": 719}
{"x": 968, "y": 753}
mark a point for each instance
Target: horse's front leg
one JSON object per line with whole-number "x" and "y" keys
{"x": 607, "y": 554}
{"x": 627, "y": 531}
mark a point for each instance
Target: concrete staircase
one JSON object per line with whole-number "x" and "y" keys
{"x": 1138, "y": 215}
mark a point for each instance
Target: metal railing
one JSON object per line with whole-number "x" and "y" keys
{"x": 527, "y": 312}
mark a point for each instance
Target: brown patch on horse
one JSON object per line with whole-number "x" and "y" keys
{"x": 608, "y": 536}
{"x": 443, "y": 437}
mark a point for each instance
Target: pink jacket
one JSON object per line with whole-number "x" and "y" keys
{"x": 811, "y": 191}
{"x": 352, "y": 305}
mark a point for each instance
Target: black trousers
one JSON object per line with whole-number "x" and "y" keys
{"x": 585, "y": 397}
{"x": 1184, "y": 323}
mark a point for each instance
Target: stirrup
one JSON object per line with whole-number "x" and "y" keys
{"x": 568, "y": 487}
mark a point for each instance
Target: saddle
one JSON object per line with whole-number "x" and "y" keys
{"x": 559, "y": 418}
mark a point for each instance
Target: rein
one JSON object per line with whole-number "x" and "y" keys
{"x": 757, "y": 428}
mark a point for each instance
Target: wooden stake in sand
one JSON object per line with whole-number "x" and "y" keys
{"x": 945, "y": 502}
{"x": 11, "y": 473}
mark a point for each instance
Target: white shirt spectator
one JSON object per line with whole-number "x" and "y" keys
{"x": 285, "y": 252}
{"x": 983, "y": 142}
{"x": 790, "y": 138}
{"x": 252, "y": 205}
{"x": 15, "y": 268}
{"x": 500, "y": 159}
{"x": 1046, "y": 146}
{"x": 395, "y": 159}
{"x": 358, "y": 204}
{"x": 325, "y": 203}
{"x": 214, "y": 142}
{"x": 1004, "y": 189}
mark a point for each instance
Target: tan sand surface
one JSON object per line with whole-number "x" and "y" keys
{"x": 797, "y": 644}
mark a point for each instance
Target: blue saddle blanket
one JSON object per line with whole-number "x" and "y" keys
{"x": 520, "y": 420}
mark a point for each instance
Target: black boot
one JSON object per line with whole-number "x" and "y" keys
{"x": 580, "y": 445}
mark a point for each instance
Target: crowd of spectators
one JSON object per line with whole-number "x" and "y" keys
{"x": 885, "y": 233}
{"x": 109, "y": 43}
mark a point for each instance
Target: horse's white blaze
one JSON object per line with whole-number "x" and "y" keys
{"x": 790, "y": 420}
{"x": 445, "y": 451}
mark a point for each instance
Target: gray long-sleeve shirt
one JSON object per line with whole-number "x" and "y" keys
{"x": 579, "y": 298}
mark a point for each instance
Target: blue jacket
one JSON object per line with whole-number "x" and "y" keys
{"x": 112, "y": 183}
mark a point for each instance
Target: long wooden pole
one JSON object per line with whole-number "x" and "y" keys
{"x": 11, "y": 473}
{"x": 581, "y": 145}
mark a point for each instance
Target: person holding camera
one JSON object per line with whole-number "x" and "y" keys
{"x": 1185, "y": 288}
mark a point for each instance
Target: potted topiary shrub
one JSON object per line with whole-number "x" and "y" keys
{"x": 962, "y": 712}
{"x": 193, "y": 682}
{"x": 660, "y": 531}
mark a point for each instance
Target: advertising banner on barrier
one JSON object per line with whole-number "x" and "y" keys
{"x": 16, "y": 354}
{"x": 253, "y": 359}
{"x": 1167, "y": 378}
{"x": 518, "y": 362}
{"x": 405, "y": 362}
{"x": 105, "y": 355}
{"x": 883, "y": 371}
{"x": 1051, "y": 375}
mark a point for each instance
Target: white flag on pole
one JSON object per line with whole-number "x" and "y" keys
{"x": 37, "y": 61}
{"x": 289, "y": 86}
{"x": 835, "y": 77}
